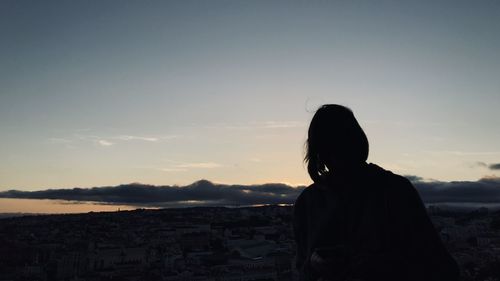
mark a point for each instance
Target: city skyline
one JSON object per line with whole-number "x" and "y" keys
{"x": 103, "y": 93}
{"x": 203, "y": 243}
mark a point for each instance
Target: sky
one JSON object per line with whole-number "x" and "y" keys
{"x": 101, "y": 93}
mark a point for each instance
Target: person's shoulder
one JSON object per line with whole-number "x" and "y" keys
{"x": 393, "y": 181}
{"x": 308, "y": 193}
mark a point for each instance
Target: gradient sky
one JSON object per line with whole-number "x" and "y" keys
{"x": 97, "y": 93}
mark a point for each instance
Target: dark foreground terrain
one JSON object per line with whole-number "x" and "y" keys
{"x": 200, "y": 244}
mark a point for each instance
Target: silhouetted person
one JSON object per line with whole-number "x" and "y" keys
{"x": 358, "y": 221}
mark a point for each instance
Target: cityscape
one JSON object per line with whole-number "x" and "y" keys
{"x": 202, "y": 243}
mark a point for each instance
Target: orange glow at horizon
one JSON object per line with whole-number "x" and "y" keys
{"x": 8, "y": 205}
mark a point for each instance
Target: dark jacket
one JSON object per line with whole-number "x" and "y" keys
{"x": 369, "y": 224}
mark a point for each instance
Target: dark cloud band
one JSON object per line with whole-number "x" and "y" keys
{"x": 203, "y": 192}
{"x": 495, "y": 166}
{"x": 149, "y": 195}
{"x": 486, "y": 190}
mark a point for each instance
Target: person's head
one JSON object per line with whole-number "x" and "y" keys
{"x": 335, "y": 141}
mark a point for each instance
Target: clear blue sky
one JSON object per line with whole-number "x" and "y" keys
{"x": 99, "y": 93}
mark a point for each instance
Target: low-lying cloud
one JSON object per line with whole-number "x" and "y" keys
{"x": 495, "y": 166}
{"x": 201, "y": 192}
{"x": 486, "y": 190}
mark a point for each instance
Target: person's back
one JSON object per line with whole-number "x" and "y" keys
{"x": 360, "y": 222}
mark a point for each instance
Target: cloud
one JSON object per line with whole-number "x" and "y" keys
{"x": 64, "y": 142}
{"x": 495, "y": 166}
{"x": 486, "y": 190}
{"x": 492, "y": 166}
{"x": 282, "y": 124}
{"x": 203, "y": 191}
{"x": 201, "y": 165}
{"x": 104, "y": 143}
{"x": 479, "y": 164}
{"x": 258, "y": 125}
{"x": 108, "y": 140}
{"x": 59, "y": 140}
{"x": 173, "y": 170}
{"x": 128, "y": 138}
{"x": 464, "y": 153}
{"x": 413, "y": 178}
{"x": 144, "y": 138}
{"x": 183, "y": 167}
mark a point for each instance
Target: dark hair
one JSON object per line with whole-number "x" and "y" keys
{"x": 334, "y": 139}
